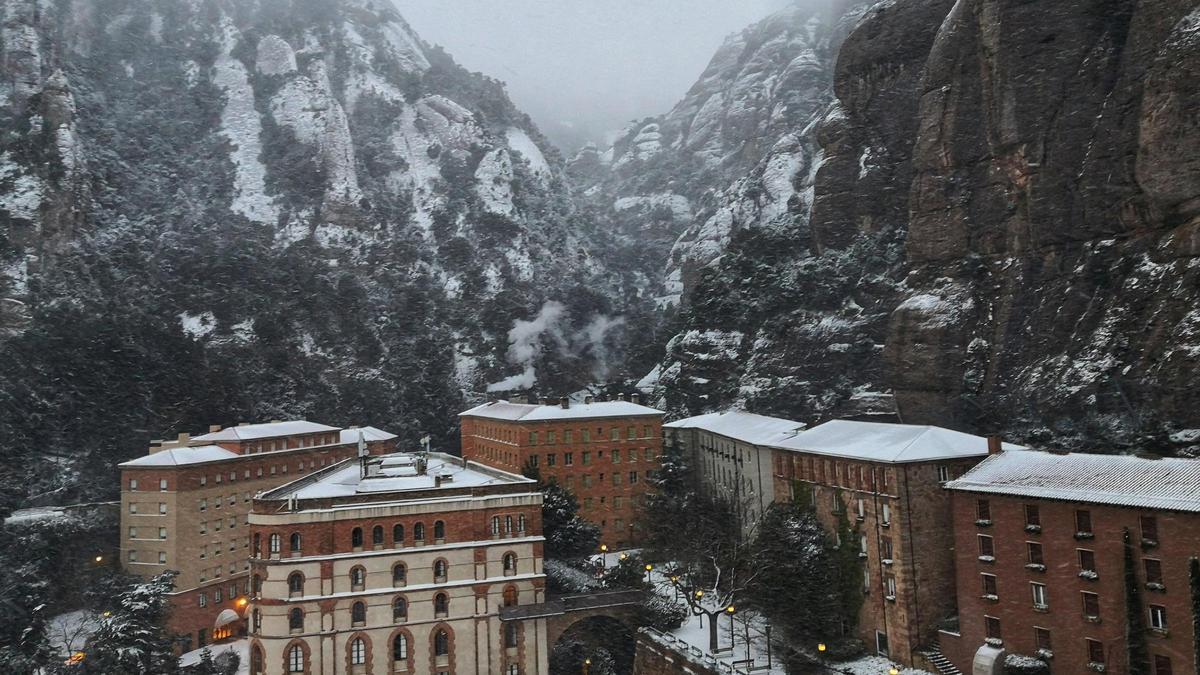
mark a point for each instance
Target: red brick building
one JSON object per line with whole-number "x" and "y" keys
{"x": 184, "y": 507}
{"x": 602, "y": 451}
{"x": 400, "y": 564}
{"x": 886, "y": 479}
{"x": 1041, "y": 543}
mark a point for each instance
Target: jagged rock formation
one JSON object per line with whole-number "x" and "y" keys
{"x": 1002, "y": 234}
{"x": 273, "y": 208}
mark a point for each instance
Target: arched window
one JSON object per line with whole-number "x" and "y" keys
{"x": 441, "y": 643}
{"x": 441, "y": 604}
{"x": 255, "y": 621}
{"x": 257, "y": 548}
{"x": 439, "y": 530}
{"x": 510, "y": 634}
{"x": 296, "y": 620}
{"x": 256, "y": 584}
{"x": 295, "y": 585}
{"x": 513, "y": 669}
{"x": 419, "y": 532}
{"x": 399, "y": 574}
{"x": 508, "y": 525}
{"x": 294, "y": 543}
{"x": 439, "y": 570}
{"x": 510, "y": 563}
{"x": 510, "y": 596}
{"x": 358, "y": 578}
{"x": 521, "y": 523}
{"x": 399, "y": 610}
{"x": 358, "y": 652}
{"x": 256, "y": 660}
{"x": 377, "y": 535}
{"x": 495, "y": 524}
{"x": 273, "y": 543}
{"x": 296, "y": 659}
{"x": 400, "y": 648}
{"x": 358, "y": 613}
{"x": 398, "y": 534}
{"x": 356, "y": 537}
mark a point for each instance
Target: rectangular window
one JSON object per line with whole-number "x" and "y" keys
{"x": 1158, "y": 617}
{"x": 587, "y": 457}
{"x": 533, "y": 438}
{"x": 550, "y": 459}
{"x": 616, "y": 456}
{"x": 1149, "y": 529}
{"x": 616, "y": 504}
{"x": 568, "y": 437}
{"x": 1087, "y": 560}
{"x": 983, "y": 510}
{"x": 887, "y": 548}
{"x": 569, "y": 458}
{"x": 614, "y": 434}
{"x": 989, "y": 584}
{"x": 1153, "y": 570}
{"x": 586, "y": 435}
{"x": 133, "y": 484}
{"x": 1091, "y": 604}
{"x": 587, "y": 480}
{"x": 1041, "y": 638}
{"x": 551, "y": 437}
{"x": 1035, "y": 553}
{"x": 648, "y": 454}
{"x": 162, "y": 485}
{"x": 1095, "y": 651}
{"x": 618, "y": 524}
{"x": 1033, "y": 515}
{"x": 862, "y": 509}
{"x": 162, "y": 533}
{"x": 1083, "y": 521}
{"x": 587, "y": 503}
{"x": 616, "y": 479}
{"x": 133, "y": 507}
{"x": 133, "y": 533}
{"x": 991, "y": 626}
{"x": 162, "y": 507}
{"x": 943, "y": 473}
{"x": 162, "y": 557}
{"x": 1039, "y": 594}
{"x": 630, "y": 433}
{"x": 887, "y": 514}
{"x": 987, "y": 547}
{"x": 632, "y": 477}
{"x": 890, "y": 585}
{"x": 1162, "y": 665}
{"x": 533, "y": 461}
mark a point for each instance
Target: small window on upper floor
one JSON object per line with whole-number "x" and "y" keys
{"x": 983, "y": 510}
{"x": 1083, "y": 521}
{"x": 943, "y": 473}
{"x": 133, "y": 484}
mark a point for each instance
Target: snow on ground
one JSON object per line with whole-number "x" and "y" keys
{"x": 239, "y": 647}
{"x": 68, "y": 632}
{"x": 197, "y": 325}
{"x": 521, "y": 142}
{"x": 493, "y": 182}
{"x": 24, "y": 194}
{"x": 35, "y": 513}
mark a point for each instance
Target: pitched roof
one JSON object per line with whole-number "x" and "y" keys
{"x": 528, "y": 412}
{"x": 741, "y": 425}
{"x": 249, "y": 432}
{"x": 1122, "y": 480}
{"x": 181, "y": 455}
{"x": 370, "y": 435}
{"x": 883, "y": 442}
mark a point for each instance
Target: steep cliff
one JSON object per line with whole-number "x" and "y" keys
{"x": 1001, "y": 236}
{"x": 215, "y": 210}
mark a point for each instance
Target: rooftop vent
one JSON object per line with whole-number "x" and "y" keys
{"x": 635, "y": 397}
{"x": 995, "y": 444}
{"x": 214, "y": 428}
{"x": 621, "y": 396}
{"x": 589, "y": 399}
{"x": 564, "y": 402}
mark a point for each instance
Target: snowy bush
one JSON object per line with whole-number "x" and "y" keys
{"x": 663, "y": 614}
{"x": 1017, "y": 664}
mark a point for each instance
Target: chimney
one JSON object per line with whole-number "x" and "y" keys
{"x": 621, "y": 396}
{"x": 183, "y": 440}
{"x": 589, "y": 399}
{"x": 994, "y": 444}
{"x": 543, "y": 401}
{"x": 518, "y": 398}
{"x": 635, "y": 398}
{"x": 437, "y": 480}
{"x": 243, "y": 424}
{"x": 214, "y": 428}
{"x": 564, "y": 402}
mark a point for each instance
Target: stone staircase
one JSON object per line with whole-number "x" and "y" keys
{"x": 938, "y": 660}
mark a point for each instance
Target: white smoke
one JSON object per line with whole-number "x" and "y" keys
{"x": 525, "y": 345}
{"x": 591, "y": 338}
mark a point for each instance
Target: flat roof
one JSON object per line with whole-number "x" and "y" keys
{"x": 1119, "y": 480}
{"x": 182, "y": 455}
{"x": 249, "y": 432}
{"x": 396, "y": 474}
{"x": 884, "y": 442}
{"x": 529, "y": 412}
{"x": 741, "y": 425}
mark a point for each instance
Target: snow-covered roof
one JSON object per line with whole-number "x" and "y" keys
{"x": 1121, "y": 480}
{"x": 370, "y": 435}
{"x": 741, "y": 425}
{"x": 249, "y": 432}
{"x": 882, "y": 442}
{"x": 528, "y": 412}
{"x": 348, "y": 481}
{"x": 181, "y": 455}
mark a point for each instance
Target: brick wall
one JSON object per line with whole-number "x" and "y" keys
{"x": 655, "y": 657}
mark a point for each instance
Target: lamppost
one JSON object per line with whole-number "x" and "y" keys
{"x": 649, "y": 569}
{"x": 587, "y": 663}
{"x": 603, "y": 555}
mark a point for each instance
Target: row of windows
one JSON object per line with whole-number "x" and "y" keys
{"x": 162, "y": 485}
{"x": 838, "y": 507}
{"x": 215, "y": 572}
{"x": 134, "y": 556}
{"x": 358, "y": 575}
{"x": 1096, "y": 653}
{"x": 300, "y": 442}
{"x": 618, "y": 502}
{"x": 217, "y": 524}
{"x": 1083, "y": 521}
{"x": 135, "y": 509}
{"x": 218, "y": 596}
{"x": 851, "y": 476}
{"x": 585, "y": 435}
{"x": 358, "y": 541}
{"x": 135, "y": 533}
{"x": 356, "y": 650}
{"x": 202, "y": 504}
{"x": 585, "y": 457}
{"x": 216, "y": 548}
{"x": 1086, "y": 558}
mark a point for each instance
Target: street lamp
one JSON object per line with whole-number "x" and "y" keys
{"x": 649, "y": 568}
{"x": 586, "y": 665}
{"x": 893, "y": 671}
{"x": 603, "y": 555}
{"x": 99, "y": 559}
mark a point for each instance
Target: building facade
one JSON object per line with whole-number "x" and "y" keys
{"x": 602, "y": 451}
{"x": 886, "y": 481}
{"x": 731, "y": 453}
{"x": 184, "y": 507}
{"x": 1058, "y": 554}
{"x": 398, "y": 564}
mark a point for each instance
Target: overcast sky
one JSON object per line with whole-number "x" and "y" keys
{"x": 593, "y": 64}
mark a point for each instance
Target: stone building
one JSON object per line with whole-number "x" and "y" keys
{"x": 1057, "y": 554}
{"x": 886, "y": 480}
{"x": 602, "y": 451}
{"x": 397, "y": 564}
{"x": 184, "y": 507}
{"x": 731, "y": 454}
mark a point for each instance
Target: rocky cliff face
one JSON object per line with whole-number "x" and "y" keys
{"x": 1001, "y": 234}
{"x": 212, "y": 209}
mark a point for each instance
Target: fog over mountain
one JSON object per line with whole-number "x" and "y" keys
{"x": 582, "y": 68}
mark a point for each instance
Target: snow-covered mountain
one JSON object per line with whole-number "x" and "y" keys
{"x": 274, "y": 208}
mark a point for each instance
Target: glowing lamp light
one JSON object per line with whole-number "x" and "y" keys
{"x": 241, "y": 602}
{"x": 649, "y": 567}
{"x": 106, "y": 614}
{"x": 821, "y": 647}
{"x": 604, "y": 548}
{"x": 894, "y": 671}
{"x": 587, "y": 662}
{"x": 624, "y": 555}
{"x": 699, "y": 594}
{"x": 75, "y": 659}
{"x": 730, "y": 609}
{"x": 99, "y": 558}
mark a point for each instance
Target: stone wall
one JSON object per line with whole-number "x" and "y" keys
{"x": 658, "y": 654}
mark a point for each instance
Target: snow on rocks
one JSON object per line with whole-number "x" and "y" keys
{"x": 678, "y": 205}
{"x": 274, "y": 56}
{"x": 197, "y": 326}
{"x": 520, "y": 141}
{"x": 241, "y": 125}
{"x": 493, "y": 182}
{"x": 24, "y": 191}
{"x": 431, "y": 126}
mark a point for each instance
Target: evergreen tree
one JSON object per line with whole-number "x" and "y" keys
{"x": 134, "y": 639}
{"x": 1135, "y": 625}
{"x": 667, "y": 511}
{"x": 567, "y": 534}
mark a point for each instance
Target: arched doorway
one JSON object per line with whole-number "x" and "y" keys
{"x": 608, "y": 642}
